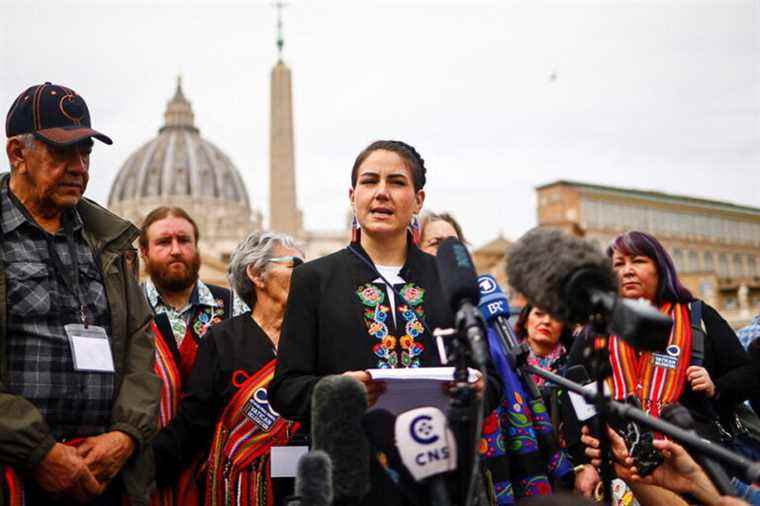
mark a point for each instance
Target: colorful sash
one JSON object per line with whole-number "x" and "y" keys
{"x": 186, "y": 491}
{"x": 238, "y": 466}
{"x": 11, "y": 487}
{"x": 518, "y": 443}
{"x": 657, "y": 379}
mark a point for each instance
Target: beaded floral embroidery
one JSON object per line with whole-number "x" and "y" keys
{"x": 209, "y": 317}
{"x": 375, "y": 316}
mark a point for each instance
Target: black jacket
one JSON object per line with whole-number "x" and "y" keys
{"x": 324, "y": 332}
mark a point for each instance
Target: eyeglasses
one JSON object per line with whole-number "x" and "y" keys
{"x": 290, "y": 261}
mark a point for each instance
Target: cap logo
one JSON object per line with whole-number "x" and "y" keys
{"x": 71, "y": 107}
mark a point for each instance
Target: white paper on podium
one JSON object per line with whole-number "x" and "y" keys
{"x": 413, "y": 388}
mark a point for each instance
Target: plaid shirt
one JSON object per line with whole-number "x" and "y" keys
{"x": 40, "y": 303}
{"x": 749, "y": 333}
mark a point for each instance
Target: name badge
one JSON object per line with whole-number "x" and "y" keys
{"x": 90, "y": 348}
{"x": 258, "y": 410}
{"x": 666, "y": 361}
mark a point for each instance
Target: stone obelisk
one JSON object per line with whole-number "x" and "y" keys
{"x": 284, "y": 215}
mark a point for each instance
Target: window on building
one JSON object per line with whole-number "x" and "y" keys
{"x": 739, "y": 266}
{"x": 723, "y": 265}
{"x": 715, "y": 228}
{"x": 709, "y": 262}
{"x": 683, "y": 225}
{"x": 693, "y": 263}
{"x": 678, "y": 259}
{"x": 752, "y": 265}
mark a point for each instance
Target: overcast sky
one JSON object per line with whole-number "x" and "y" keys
{"x": 498, "y": 97}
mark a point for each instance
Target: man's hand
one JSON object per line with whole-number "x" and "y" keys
{"x": 64, "y": 472}
{"x": 374, "y": 388}
{"x": 105, "y": 455}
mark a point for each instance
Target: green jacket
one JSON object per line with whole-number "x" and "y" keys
{"x": 24, "y": 435}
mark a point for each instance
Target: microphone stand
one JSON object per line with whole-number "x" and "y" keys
{"x": 599, "y": 324}
{"x": 749, "y": 471}
{"x": 461, "y": 401}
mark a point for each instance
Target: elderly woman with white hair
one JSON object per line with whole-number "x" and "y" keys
{"x": 225, "y": 408}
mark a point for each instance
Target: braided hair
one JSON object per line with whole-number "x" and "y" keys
{"x": 413, "y": 160}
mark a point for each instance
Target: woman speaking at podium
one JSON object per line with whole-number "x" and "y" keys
{"x": 341, "y": 318}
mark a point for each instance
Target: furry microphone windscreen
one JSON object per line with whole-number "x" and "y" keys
{"x": 314, "y": 479}
{"x": 542, "y": 262}
{"x": 338, "y": 404}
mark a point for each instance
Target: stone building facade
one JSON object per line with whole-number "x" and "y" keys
{"x": 715, "y": 245}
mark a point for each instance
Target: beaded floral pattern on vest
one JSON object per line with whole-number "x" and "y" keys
{"x": 375, "y": 318}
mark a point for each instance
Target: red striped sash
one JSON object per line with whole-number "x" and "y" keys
{"x": 11, "y": 487}
{"x": 639, "y": 373}
{"x": 185, "y": 492}
{"x": 171, "y": 385}
{"x": 238, "y": 466}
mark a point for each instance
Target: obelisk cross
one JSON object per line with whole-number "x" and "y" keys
{"x": 279, "y": 5}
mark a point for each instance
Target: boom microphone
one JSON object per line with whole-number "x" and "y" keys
{"x": 313, "y": 480}
{"x": 460, "y": 286}
{"x": 571, "y": 280}
{"x": 680, "y": 416}
{"x": 337, "y": 406}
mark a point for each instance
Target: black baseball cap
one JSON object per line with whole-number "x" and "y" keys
{"x": 55, "y": 115}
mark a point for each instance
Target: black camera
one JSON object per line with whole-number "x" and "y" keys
{"x": 639, "y": 440}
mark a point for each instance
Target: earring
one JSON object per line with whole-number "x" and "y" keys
{"x": 355, "y": 229}
{"x": 414, "y": 228}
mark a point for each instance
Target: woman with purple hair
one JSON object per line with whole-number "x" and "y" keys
{"x": 704, "y": 366}
{"x": 713, "y": 383}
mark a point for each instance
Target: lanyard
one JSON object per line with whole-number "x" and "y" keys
{"x": 70, "y": 280}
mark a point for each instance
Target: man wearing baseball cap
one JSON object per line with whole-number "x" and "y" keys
{"x": 78, "y": 396}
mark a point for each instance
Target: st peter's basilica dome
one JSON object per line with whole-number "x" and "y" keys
{"x": 180, "y": 168}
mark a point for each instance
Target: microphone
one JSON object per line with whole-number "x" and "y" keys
{"x": 460, "y": 286}
{"x": 313, "y": 480}
{"x": 583, "y": 410}
{"x": 678, "y": 415}
{"x": 337, "y": 406}
{"x": 494, "y": 307}
{"x": 379, "y": 427}
{"x": 416, "y": 448}
{"x": 428, "y": 449}
{"x": 572, "y": 280}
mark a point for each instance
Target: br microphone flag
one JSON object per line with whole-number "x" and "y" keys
{"x": 493, "y": 302}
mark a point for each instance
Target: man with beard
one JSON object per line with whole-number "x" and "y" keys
{"x": 185, "y": 307}
{"x": 78, "y": 395}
